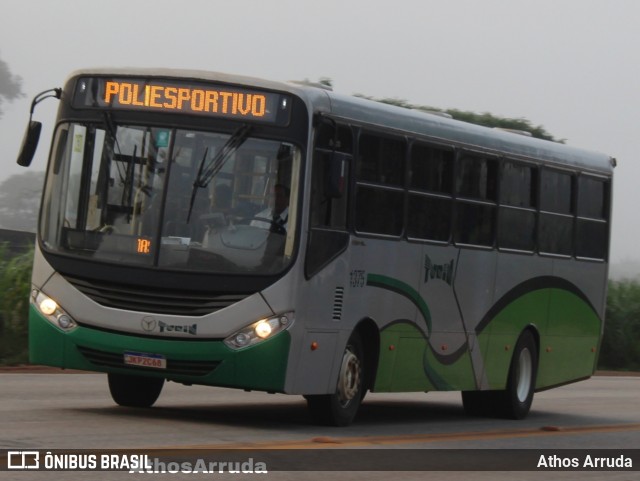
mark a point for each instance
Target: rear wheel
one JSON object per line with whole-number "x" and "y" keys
{"x": 340, "y": 408}
{"x": 515, "y": 401}
{"x": 134, "y": 391}
{"x": 517, "y": 398}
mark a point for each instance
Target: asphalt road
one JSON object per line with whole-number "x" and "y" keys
{"x": 74, "y": 411}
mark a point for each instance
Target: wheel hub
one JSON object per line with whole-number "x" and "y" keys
{"x": 349, "y": 380}
{"x": 525, "y": 373}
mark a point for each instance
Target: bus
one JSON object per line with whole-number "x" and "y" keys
{"x": 214, "y": 229}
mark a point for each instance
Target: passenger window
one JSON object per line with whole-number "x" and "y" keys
{"x": 592, "y": 197}
{"x": 379, "y": 211}
{"x": 475, "y": 224}
{"x": 380, "y": 191}
{"x": 381, "y": 159}
{"x": 431, "y": 185}
{"x": 518, "y": 185}
{"x": 556, "y": 222}
{"x": 431, "y": 169}
{"x": 556, "y": 192}
{"x": 475, "y": 210}
{"x": 517, "y": 229}
{"x": 592, "y": 227}
{"x": 429, "y": 218}
{"x": 556, "y": 234}
{"x": 477, "y": 177}
{"x": 518, "y": 199}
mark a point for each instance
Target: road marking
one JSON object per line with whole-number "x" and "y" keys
{"x": 328, "y": 442}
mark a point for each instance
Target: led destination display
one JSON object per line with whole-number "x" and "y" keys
{"x": 182, "y": 97}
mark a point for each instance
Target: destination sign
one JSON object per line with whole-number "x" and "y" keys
{"x": 182, "y": 97}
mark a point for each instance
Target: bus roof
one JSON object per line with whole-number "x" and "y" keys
{"x": 439, "y": 128}
{"x": 402, "y": 120}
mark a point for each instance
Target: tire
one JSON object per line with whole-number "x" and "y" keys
{"x": 340, "y": 408}
{"x": 134, "y": 391}
{"x": 515, "y": 401}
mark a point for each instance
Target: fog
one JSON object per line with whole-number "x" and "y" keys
{"x": 569, "y": 65}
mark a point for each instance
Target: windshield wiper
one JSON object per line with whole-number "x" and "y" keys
{"x": 206, "y": 174}
{"x": 111, "y": 129}
{"x": 127, "y": 189}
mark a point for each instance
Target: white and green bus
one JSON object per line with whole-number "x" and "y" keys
{"x": 220, "y": 230}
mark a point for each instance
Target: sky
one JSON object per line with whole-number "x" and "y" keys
{"x": 572, "y": 66}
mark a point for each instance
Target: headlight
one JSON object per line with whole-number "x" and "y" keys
{"x": 52, "y": 311}
{"x": 259, "y": 331}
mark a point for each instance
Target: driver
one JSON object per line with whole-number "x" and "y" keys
{"x": 275, "y": 218}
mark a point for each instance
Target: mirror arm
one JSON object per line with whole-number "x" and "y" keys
{"x": 47, "y": 94}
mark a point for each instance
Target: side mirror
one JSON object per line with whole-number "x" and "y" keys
{"x": 32, "y": 135}
{"x": 29, "y": 143}
{"x": 336, "y": 174}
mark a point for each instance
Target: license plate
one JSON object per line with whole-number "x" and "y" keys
{"x": 143, "y": 359}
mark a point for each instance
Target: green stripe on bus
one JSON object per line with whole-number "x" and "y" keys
{"x": 404, "y": 289}
{"x": 568, "y": 325}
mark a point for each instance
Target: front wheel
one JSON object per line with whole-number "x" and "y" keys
{"x": 340, "y": 408}
{"x": 134, "y": 391}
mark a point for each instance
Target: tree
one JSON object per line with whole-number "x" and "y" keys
{"x": 19, "y": 201}
{"x": 15, "y": 284}
{"x": 10, "y": 85}
{"x": 621, "y": 342}
{"x": 486, "y": 119}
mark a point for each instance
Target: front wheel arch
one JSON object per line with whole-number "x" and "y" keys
{"x": 370, "y": 336}
{"x": 341, "y": 407}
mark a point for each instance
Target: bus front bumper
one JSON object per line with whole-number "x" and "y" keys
{"x": 209, "y": 362}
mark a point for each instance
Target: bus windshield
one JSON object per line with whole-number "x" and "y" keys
{"x": 221, "y": 202}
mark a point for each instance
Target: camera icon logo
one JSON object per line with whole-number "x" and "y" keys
{"x": 23, "y": 460}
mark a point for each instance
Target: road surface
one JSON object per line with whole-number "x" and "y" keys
{"x": 48, "y": 411}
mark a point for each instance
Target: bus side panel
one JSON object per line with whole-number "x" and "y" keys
{"x": 516, "y": 305}
{"x": 383, "y": 283}
{"x": 431, "y": 352}
{"x": 473, "y": 286}
{"x": 503, "y": 330}
{"x": 556, "y": 298}
{"x": 568, "y": 337}
{"x": 408, "y": 362}
{"x": 568, "y": 348}
{"x": 321, "y": 330}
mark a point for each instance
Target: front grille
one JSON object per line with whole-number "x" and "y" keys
{"x": 156, "y": 300}
{"x": 174, "y": 367}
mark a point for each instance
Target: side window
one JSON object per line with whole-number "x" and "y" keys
{"x": 592, "y": 226}
{"x": 518, "y": 203}
{"x": 477, "y": 177}
{"x": 326, "y": 211}
{"x": 328, "y": 236}
{"x": 431, "y": 187}
{"x": 476, "y": 195}
{"x": 555, "y": 234}
{"x": 431, "y": 169}
{"x": 556, "y": 192}
{"x": 380, "y": 181}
